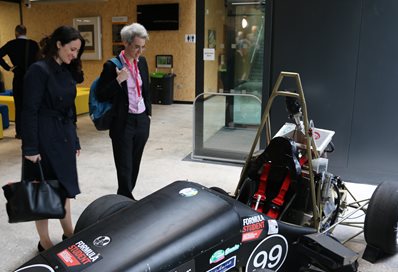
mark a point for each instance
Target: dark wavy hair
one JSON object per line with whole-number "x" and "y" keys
{"x": 63, "y": 34}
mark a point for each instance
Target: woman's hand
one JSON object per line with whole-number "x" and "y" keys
{"x": 33, "y": 158}
{"x": 122, "y": 74}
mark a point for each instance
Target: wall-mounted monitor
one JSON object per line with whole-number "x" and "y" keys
{"x": 158, "y": 16}
{"x": 164, "y": 61}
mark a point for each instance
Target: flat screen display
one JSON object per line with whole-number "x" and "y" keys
{"x": 159, "y": 16}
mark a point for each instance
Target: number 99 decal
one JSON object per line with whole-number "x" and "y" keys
{"x": 269, "y": 254}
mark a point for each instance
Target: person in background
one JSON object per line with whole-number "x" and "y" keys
{"x": 48, "y": 131}
{"x": 22, "y": 53}
{"x": 128, "y": 90}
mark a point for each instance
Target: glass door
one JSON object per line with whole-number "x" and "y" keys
{"x": 233, "y": 61}
{"x": 234, "y": 31}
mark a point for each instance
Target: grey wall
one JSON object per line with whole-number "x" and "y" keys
{"x": 346, "y": 54}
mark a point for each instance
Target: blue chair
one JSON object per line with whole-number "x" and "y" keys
{"x": 6, "y": 93}
{"x": 4, "y": 115}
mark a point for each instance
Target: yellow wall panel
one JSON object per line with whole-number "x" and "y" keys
{"x": 42, "y": 18}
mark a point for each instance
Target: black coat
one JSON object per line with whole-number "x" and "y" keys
{"x": 22, "y": 53}
{"x": 47, "y": 121}
{"x": 108, "y": 89}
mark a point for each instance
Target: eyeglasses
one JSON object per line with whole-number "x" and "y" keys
{"x": 139, "y": 48}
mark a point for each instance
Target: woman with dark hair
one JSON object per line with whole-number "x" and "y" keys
{"x": 48, "y": 132}
{"x": 75, "y": 67}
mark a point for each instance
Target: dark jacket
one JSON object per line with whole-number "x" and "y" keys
{"x": 47, "y": 121}
{"x": 109, "y": 90}
{"x": 16, "y": 50}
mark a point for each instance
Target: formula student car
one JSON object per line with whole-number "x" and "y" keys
{"x": 280, "y": 218}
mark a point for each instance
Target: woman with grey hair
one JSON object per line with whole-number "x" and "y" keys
{"x": 128, "y": 90}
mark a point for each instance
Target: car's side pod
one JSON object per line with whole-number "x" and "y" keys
{"x": 327, "y": 253}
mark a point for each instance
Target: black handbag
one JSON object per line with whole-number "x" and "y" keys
{"x": 29, "y": 200}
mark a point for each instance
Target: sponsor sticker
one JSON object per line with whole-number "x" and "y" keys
{"x": 78, "y": 255}
{"x": 220, "y": 254}
{"x": 232, "y": 249}
{"x": 252, "y": 227}
{"x": 269, "y": 254}
{"x": 188, "y": 192}
{"x": 224, "y": 266}
{"x": 273, "y": 227}
{"x": 68, "y": 258}
{"x": 253, "y": 235}
{"x": 101, "y": 241}
{"x": 217, "y": 256}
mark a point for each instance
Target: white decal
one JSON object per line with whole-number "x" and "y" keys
{"x": 269, "y": 254}
{"x": 102, "y": 241}
{"x": 188, "y": 192}
{"x": 35, "y": 265}
{"x": 253, "y": 220}
{"x": 224, "y": 266}
{"x": 273, "y": 227}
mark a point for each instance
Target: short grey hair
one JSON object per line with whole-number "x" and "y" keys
{"x": 129, "y": 32}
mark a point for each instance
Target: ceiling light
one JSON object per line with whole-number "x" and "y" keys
{"x": 244, "y": 22}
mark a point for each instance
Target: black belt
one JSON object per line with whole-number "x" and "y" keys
{"x": 61, "y": 116}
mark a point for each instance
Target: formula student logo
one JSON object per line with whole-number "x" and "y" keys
{"x": 252, "y": 227}
{"x": 78, "y": 256}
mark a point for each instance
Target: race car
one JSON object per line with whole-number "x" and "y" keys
{"x": 280, "y": 218}
{"x": 188, "y": 227}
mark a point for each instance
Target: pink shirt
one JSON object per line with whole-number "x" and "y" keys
{"x": 136, "y": 102}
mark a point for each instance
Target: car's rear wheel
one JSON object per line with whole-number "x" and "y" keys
{"x": 101, "y": 208}
{"x": 382, "y": 218}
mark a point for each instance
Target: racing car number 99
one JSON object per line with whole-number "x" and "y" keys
{"x": 269, "y": 254}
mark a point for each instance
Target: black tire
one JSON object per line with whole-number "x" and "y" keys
{"x": 382, "y": 217}
{"x": 101, "y": 208}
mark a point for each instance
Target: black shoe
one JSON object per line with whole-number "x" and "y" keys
{"x": 40, "y": 248}
{"x": 64, "y": 237}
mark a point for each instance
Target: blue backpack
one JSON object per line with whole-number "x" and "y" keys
{"x": 100, "y": 112}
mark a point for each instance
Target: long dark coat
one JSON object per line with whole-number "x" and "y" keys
{"x": 47, "y": 123}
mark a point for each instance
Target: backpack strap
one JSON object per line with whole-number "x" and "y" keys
{"x": 117, "y": 62}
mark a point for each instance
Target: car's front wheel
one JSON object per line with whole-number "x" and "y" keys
{"x": 101, "y": 208}
{"x": 382, "y": 218}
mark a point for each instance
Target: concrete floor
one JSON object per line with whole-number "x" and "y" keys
{"x": 169, "y": 143}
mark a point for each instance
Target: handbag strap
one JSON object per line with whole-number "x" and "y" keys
{"x": 40, "y": 169}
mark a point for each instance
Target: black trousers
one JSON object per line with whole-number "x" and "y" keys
{"x": 127, "y": 152}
